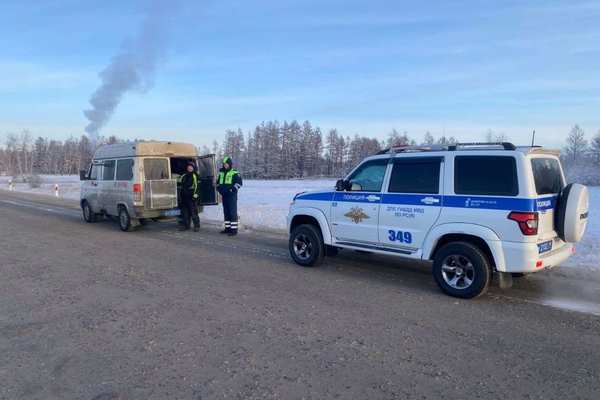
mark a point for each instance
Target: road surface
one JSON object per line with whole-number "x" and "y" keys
{"x": 90, "y": 312}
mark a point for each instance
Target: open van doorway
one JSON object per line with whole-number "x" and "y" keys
{"x": 206, "y": 169}
{"x": 178, "y": 166}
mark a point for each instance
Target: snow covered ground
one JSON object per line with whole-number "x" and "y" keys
{"x": 588, "y": 250}
{"x": 264, "y": 204}
{"x": 68, "y": 185}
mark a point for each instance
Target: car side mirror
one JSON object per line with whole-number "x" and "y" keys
{"x": 83, "y": 175}
{"x": 340, "y": 185}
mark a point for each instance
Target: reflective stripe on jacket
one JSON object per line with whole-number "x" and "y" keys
{"x": 226, "y": 177}
{"x": 228, "y": 181}
{"x": 189, "y": 184}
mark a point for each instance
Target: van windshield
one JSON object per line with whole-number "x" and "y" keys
{"x": 547, "y": 175}
{"x": 156, "y": 169}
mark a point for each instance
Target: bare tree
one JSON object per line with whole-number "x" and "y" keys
{"x": 595, "y": 148}
{"x": 576, "y": 145}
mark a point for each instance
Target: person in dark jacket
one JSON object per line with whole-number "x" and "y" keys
{"x": 229, "y": 182}
{"x": 189, "y": 198}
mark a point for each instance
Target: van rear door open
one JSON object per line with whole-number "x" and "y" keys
{"x": 207, "y": 172}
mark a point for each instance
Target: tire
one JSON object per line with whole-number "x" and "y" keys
{"x": 306, "y": 246}
{"x": 124, "y": 220}
{"x": 88, "y": 214}
{"x": 474, "y": 271}
{"x": 571, "y": 215}
{"x": 518, "y": 275}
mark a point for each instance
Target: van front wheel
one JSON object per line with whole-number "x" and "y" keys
{"x": 124, "y": 220}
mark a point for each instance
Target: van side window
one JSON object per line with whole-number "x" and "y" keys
{"x": 125, "y": 170}
{"x": 108, "y": 172}
{"x": 415, "y": 176}
{"x": 156, "y": 169}
{"x": 369, "y": 176}
{"x": 485, "y": 175}
{"x": 94, "y": 172}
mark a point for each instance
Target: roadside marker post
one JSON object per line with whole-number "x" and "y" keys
{"x": 56, "y": 189}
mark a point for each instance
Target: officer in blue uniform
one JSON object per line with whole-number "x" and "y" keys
{"x": 229, "y": 182}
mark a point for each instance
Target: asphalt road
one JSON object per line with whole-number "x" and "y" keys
{"x": 89, "y": 312}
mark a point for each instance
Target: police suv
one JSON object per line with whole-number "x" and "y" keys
{"x": 474, "y": 209}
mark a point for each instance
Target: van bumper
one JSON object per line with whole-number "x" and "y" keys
{"x": 141, "y": 212}
{"x": 526, "y": 258}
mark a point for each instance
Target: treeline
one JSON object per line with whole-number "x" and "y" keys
{"x": 22, "y": 155}
{"x": 275, "y": 150}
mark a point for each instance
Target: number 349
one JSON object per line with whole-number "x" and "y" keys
{"x": 400, "y": 236}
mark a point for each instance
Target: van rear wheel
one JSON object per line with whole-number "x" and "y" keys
{"x": 461, "y": 270}
{"x": 124, "y": 220}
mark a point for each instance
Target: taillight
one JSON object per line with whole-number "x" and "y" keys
{"x": 528, "y": 221}
{"x": 137, "y": 192}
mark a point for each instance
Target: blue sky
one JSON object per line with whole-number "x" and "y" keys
{"x": 454, "y": 67}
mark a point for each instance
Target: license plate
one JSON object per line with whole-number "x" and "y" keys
{"x": 172, "y": 213}
{"x": 544, "y": 247}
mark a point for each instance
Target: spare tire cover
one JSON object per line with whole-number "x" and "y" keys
{"x": 572, "y": 212}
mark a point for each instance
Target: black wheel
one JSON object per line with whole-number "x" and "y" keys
{"x": 88, "y": 215}
{"x": 124, "y": 219}
{"x": 461, "y": 270}
{"x": 306, "y": 245}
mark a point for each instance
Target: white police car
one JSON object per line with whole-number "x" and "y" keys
{"x": 474, "y": 209}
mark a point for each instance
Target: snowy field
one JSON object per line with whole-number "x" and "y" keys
{"x": 264, "y": 204}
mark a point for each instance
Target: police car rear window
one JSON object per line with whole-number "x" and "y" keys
{"x": 486, "y": 175}
{"x": 547, "y": 176}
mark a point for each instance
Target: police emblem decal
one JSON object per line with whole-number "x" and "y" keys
{"x": 356, "y": 214}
